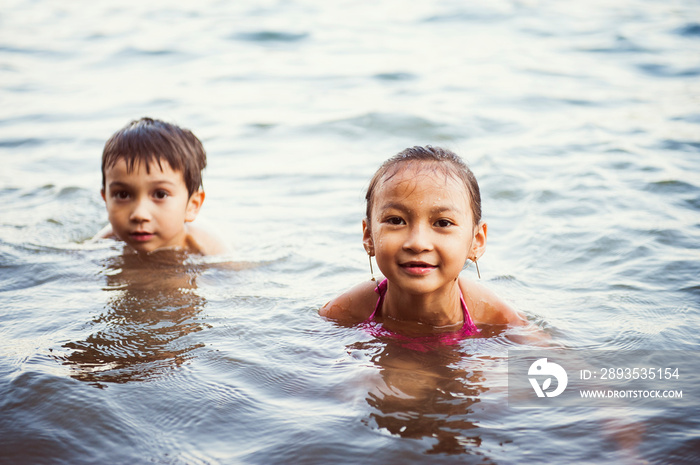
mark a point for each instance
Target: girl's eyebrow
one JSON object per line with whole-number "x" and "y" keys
{"x": 435, "y": 210}
{"x": 445, "y": 208}
{"x": 393, "y": 206}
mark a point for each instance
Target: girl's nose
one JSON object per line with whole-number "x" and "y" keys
{"x": 418, "y": 239}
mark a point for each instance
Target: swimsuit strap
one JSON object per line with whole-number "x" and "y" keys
{"x": 467, "y": 327}
{"x": 381, "y": 290}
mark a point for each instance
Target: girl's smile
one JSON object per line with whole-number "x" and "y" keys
{"x": 421, "y": 230}
{"x": 422, "y": 224}
{"x": 417, "y": 268}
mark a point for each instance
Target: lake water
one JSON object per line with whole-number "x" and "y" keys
{"x": 581, "y": 121}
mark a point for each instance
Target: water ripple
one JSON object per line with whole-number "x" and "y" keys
{"x": 689, "y": 30}
{"x": 579, "y": 120}
{"x": 271, "y": 36}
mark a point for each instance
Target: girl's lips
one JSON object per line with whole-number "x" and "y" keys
{"x": 418, "y": 268}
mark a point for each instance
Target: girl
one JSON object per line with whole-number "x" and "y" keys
{"x": 423, "y": 223}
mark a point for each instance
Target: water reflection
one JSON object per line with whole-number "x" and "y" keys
{"x": 153, "y": 305}
{"x": 425, "y": 394}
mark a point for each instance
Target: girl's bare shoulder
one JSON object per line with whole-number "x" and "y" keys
{"x": 354, "y": 305}
{"x": 485, "y": 307}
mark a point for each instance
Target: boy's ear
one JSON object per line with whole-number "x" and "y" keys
{"x": 193, "y": 205}
{"x": 479, "y": 241}
{"x": 367, "y": 238}
{"x": 102, "y": 192}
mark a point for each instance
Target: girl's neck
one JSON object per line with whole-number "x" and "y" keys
{"x": 437, "y": 311}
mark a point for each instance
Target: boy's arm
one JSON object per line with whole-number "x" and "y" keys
{"x": 203, "y": 242}
{"x": 104, "y": 233}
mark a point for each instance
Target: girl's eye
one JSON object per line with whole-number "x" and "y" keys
{"x": 443, "y": 223}
{"x": 395, "y": 221}
{"x": 160, "y": 194}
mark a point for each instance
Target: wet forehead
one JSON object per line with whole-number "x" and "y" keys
{"x": 140, "y": 168}
{"x": 416, "y": 187}
{"x": 153, "y": 172}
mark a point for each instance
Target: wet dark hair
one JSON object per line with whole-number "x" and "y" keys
{"x": 436, "y": 158}
{"x": 147, "y": 140}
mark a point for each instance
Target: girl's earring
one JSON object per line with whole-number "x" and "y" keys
{"x": 477, "y": 267}
{"x": 370, "y": 266}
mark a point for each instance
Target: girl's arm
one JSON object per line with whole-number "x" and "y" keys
{"x": 353, "y": 306}
{"x": 486, "y": 307}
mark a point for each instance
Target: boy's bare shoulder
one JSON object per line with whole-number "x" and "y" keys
{"x": 353, "y": 306}
{"x": 104, "y": 233}
{"x": 201, "y": 241}
{"x": 486, "y": 307}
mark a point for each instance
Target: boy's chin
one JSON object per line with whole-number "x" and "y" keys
{"x": 143, "y": 248}
{"x": 152, "y": 251}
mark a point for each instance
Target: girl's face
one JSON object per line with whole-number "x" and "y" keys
{"x": 421, "y": 229}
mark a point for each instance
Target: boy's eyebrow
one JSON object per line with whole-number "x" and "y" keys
{"x": 157, "y": 182}
{"x": 164, "y": 181}
{"x": 118, "y": 184}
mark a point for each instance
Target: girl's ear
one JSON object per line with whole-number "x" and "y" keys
{"x": 367, "y": 238}
{"x": 193, "y": 205}
{"x": 479, "y": 241}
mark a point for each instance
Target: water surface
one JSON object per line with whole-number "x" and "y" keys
{"x": 580, "y": 120}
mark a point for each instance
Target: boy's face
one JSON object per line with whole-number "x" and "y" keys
{"x": 148, "y": 210}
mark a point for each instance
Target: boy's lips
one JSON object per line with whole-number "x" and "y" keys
{"x": 417, "y": 268}
{"x": 141, "y": 236}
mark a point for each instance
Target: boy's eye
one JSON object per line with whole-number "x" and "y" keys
{"x": 443, "y": 223}
{"x": 160, "y": 194}
{"x": 121, "y": 195}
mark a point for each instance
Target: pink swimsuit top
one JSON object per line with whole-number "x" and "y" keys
{"x": 372, "y": 327}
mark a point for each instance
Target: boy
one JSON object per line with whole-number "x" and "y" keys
{"x": 152, "y": 187}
